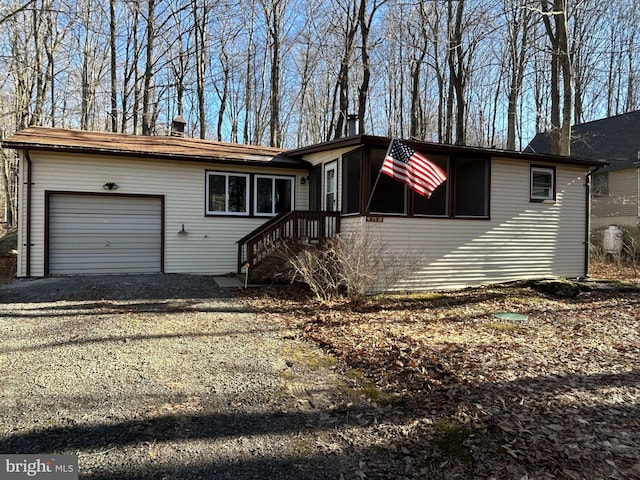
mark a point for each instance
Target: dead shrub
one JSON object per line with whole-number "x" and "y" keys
{"x": 351, "y": 265}
{"x": 629, "y": 255}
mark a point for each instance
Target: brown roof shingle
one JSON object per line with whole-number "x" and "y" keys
{"x": 168, "y": 147}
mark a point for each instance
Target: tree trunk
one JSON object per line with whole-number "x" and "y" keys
{"x": 521, "y": 21}
{"x": 114, "y": 66}
{"x": 147, "y": 127}
{"x": 561, "y": 101}
{"x": 200, "y": 18}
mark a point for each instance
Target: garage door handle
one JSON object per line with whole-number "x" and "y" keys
{"x": 106, "y": 244}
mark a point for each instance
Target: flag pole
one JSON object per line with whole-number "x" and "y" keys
{"x": 375, "y": 184}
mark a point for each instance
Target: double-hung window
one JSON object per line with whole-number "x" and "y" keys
{"x": 543, "y": 183}
{"x": 227, "y": 193}
{"x": 273, "y": 194}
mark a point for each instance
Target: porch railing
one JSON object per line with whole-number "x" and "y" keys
{"x": 306, "y": 226}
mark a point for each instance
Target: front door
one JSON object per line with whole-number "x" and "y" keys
{"x": 330, "y": 186}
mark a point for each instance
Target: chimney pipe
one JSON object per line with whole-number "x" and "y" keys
{"x": 352, "y": 125}
{"x": 177, "y": 126}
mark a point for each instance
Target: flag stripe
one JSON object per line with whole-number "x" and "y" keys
{"x": 401, "y": 173}
{"x": 413, "y": 169}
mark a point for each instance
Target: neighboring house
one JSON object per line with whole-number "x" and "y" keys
{"x": 111, "y": 203}
{"x": 616, "y": 187}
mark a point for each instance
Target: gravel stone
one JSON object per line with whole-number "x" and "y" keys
{"x": 164, "y": 377}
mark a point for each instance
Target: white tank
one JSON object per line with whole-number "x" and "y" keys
{"x": 612, "y": 241}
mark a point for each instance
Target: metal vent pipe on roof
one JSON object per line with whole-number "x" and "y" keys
{"x": 352, "y": 125}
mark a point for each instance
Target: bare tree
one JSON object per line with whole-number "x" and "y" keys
{"x": 365, "y": 19}
{"x": 518, "y": 26}
{"x": 347, "y": 12}
{"x": 113, "y": 70}
{"x": 274, "y": 11}
{"x": 94, "y": 60}
{"x": 554, "y": 16}
{"x": 15, "y": 10}
{"x": 457, "y": 77}
{"x": 147, "y": 76}
{"x": 200, "y": 12}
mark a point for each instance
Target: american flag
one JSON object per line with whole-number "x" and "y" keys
{"x": 410, "y": 167}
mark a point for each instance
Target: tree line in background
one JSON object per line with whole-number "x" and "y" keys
{"x": 289, "y": 73}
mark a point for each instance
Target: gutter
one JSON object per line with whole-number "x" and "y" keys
{"x": 27, "y": 243}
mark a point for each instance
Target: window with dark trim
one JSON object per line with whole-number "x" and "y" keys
{"x": 438, "y": 203}
{"x": 315, "y": 188}
{"x": 543, "y": 183}
{"x": 273, "y": 195}
{"x": 351, "y": 166}
{"x": 600, "y": 183}
{"x": 470, "y": 176}
{"x": 389, "y": 195}
{"x": 227, "y": 193}
{"x": 465, "y": 193}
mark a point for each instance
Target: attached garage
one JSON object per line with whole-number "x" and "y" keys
{"x": 104, "y": 234}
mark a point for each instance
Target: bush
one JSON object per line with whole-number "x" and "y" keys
{"x": 629, "y": 255}
{"x": 351, "y": 265}
{"x": 8, "y": 243}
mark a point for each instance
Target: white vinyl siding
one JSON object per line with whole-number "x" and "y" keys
{"x": 209, "y": 245}
{"x": 104, "y": 234}
{"x": 520, "y": 240}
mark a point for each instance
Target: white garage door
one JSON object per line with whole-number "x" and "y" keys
{"x": 104, "y": 234}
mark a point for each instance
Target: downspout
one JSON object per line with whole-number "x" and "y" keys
{"x": 27, "y": 244}
{"x": 587, "y": 233}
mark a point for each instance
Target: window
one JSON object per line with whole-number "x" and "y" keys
{"x": 388, "y": 194}
{"x": 315, "y": 188}
{"x": 471, "y": 181}
{"x": 465, "y": 193}
{"x": 600, "y": 183}
{"x": 227, "y": 193}
{"x": 351, "y": 182}
{"x": 438, "y": 203}
{"x": 542, "y": 184}
{"x": 273, "y": 195}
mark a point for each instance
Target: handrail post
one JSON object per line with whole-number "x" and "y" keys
{"x": 250, "y": 254}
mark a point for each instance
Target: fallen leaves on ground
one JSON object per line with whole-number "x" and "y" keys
{"x": 554, "y": 396}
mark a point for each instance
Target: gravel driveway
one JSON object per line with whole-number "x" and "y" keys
{"x": 164, "y": 377}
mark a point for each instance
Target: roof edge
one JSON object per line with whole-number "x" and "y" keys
{"x": 444, "y": 148}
